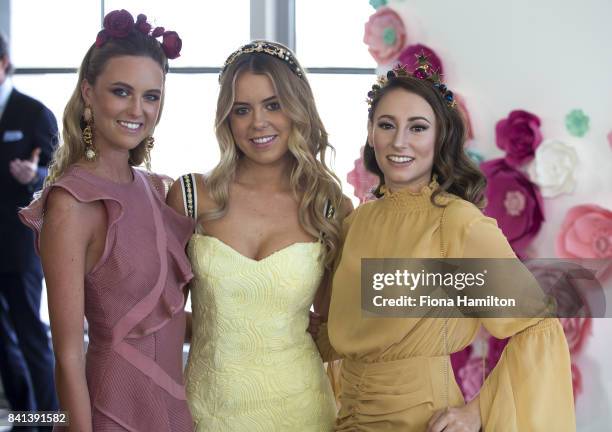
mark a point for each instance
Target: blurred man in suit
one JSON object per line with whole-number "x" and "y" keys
{"x": 28, "y": 136}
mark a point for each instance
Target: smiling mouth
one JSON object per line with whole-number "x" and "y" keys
{"x": 262, "y": 141}
{"x": 132, "y": 126}
{"x": 399, "y": 159}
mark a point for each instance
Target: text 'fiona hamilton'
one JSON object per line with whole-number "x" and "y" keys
{"x": 429, "y": 301}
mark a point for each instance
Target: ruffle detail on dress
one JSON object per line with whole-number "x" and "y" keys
{"x": 373, "y": 393}
{"x": 178, "y": 230}
{"x": 33, "y": 215}
{"x": 406, "y": 200}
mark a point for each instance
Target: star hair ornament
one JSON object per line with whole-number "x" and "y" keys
{"x": 424, "y": 71}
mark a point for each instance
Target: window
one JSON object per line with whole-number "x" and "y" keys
{"x": 340, "y": 74}
{"x": 330, "y": 33}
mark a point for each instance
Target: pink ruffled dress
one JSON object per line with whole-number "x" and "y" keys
{"x": 134, "y": 303}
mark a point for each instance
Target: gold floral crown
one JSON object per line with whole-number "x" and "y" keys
{"x": 424, "y": 71}
{"x": 273, "y": 49}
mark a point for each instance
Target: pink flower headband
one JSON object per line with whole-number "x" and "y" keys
{"x": 119, "y": 23}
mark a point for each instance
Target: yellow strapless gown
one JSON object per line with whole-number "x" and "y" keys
{"x": 252, "y": 365}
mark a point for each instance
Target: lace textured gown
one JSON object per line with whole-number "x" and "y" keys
{"x": 252, "y": 365}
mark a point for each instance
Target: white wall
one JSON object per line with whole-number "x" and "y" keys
{"x": 547, "y": 57}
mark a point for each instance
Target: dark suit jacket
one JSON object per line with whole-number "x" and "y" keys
{"x": 25, "y": 124}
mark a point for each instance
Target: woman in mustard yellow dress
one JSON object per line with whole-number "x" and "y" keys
{"x": 396, "y": 373}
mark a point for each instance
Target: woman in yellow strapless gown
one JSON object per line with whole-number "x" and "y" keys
{"x": 266, "y": 239}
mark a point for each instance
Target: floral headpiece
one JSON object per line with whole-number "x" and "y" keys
{"x": 119, "y": 23}
{"x": 424, "y": 71}
{"x": 270, "y": 48}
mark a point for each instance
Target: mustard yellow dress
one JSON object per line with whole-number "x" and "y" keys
{"x": 396, "y": 372}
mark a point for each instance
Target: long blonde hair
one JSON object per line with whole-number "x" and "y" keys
{"x": 72, "y": 147}
{"x": 311, "y": 179}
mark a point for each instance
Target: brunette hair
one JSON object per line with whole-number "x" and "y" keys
{"x": 456, "y": 173}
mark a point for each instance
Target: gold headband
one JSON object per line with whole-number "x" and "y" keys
{"x": 270, "y": 48}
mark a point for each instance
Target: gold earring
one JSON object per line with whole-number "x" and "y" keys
{"x": 149, "y": 142}
{"x": 87, "y": 135}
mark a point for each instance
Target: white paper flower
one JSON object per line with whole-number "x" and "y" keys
{"x": 553, "y": 168}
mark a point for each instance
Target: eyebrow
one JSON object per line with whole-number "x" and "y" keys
{"x": 409, "y": 118}
{"x": 266, "y": 100}
{"x": 129, "y": 87}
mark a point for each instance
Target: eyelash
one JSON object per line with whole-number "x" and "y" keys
{"x": 415, "y": 128}
{"x": 241, "y": 111}
{"x": 272, "y": 106}
{"x": 386, "y": 125}
{"x": 123, "y": 93}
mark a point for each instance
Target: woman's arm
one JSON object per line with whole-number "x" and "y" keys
{"x": 318, "y": 319}
{"x": 175, "y": 200}
{"x": 530, "y": 388}
{"x": 323, "y": 294}
{"x": 68, "y": 230}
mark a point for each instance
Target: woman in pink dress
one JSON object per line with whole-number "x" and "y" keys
{"x": 112, "y": 251}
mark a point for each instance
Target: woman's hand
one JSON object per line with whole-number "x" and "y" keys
{"x": 459, "y": 419}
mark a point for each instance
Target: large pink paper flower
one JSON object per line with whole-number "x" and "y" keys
{"x": 458, "y": 360}
{"x": 472, "y": 376}
{"x": 519, "y": 135}
{"x": 496, "y": 348}
{"x": 385, "y": 35}
{"x": 466, "y": 115}
{"x": 586, "y": 232}
{"x": 576, "y": 380}
{"x": 408, "y": 58}
{"x": 514, "y": 201}
{"x": 576, "y": 293}
{"x": 362, "y": 180}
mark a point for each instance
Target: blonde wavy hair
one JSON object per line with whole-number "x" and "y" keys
{"x": 72, "y": 147}
{"x": 311, "y": 179}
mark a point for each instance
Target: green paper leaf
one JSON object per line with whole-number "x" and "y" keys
{"x": 577, "y": 123}
{"x": 378, "y": 3}
{"x": 389, "y": 36}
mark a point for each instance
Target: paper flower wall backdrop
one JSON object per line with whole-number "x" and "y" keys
{"x": 475, "y": 156}
{"x": 376, "y": 4}
{"x": 408, "y": 58}
{"x": 362, "y": 180}
{"x": 514, "y": 201}
{"x": 586, "y": 232}
{"x": 553, "y": 168}
{"x": 385, "y": 35}
{"x": 577, "y": 123}
{"x": 576, "y": 332}
{"x": 472, "y": 376}
{"x": 519, "y": 135}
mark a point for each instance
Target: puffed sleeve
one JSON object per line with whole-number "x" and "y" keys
{"x": 530, "y": 389}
